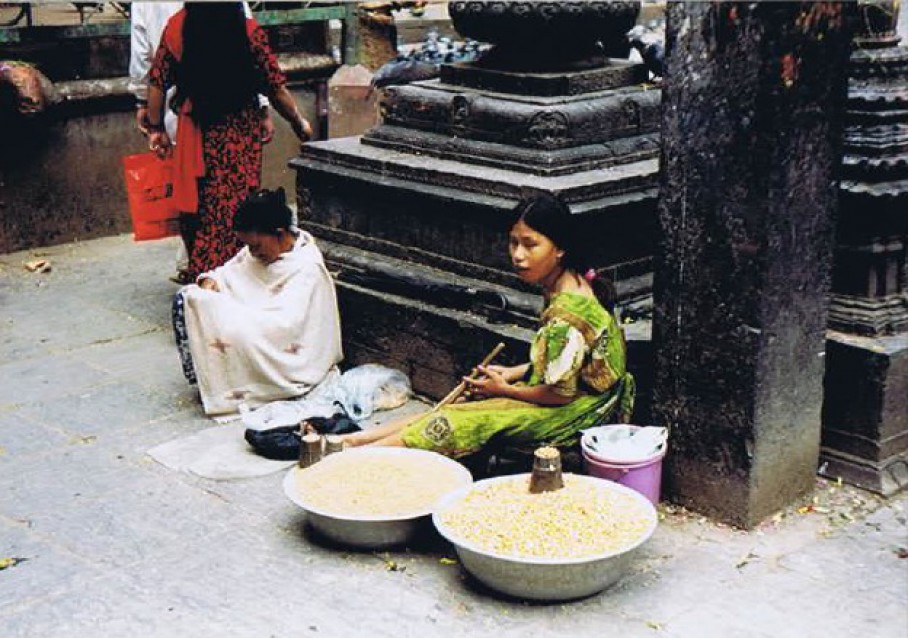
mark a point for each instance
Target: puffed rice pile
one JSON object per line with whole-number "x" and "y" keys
{"x": 583, "y": 519}
{"x": 352, "y": 485}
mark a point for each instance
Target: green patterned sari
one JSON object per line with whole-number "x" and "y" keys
{"x": 580, "y": 351}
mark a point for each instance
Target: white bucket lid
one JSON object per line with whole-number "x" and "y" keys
{"x": 623, "y": 442}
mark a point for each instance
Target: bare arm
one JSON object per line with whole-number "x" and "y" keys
{"x": 285, "y": 105}
{"x": 538, "y": 394}
{"x": 267, "y": 124}
{"x": 494, "y": 384}
{"x": 158, "y": 140}
{"x": 511, "y": 373}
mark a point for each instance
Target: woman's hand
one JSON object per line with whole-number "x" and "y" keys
{"x": 510, "y": 373}
{"x": 492, "y": 383}
{"x": 285, "y": 105}
{"x": 142, "y": 119}
{"x": 267, "y": 125}
{"x": 159, "y": 142}
{"x": 302, "y": 128}
{"x": 209, "y": 284}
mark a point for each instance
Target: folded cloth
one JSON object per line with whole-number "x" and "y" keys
{"x": 217, "y": 453}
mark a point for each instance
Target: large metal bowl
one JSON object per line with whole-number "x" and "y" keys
{"x": 368, "y": 532}
{"x": 546, "y": 579}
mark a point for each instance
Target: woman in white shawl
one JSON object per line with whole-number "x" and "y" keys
{"x": 264, "y": 326}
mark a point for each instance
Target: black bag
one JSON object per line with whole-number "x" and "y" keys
{"x": 280, "y": 444}
{"x": 336, "y": 424}
{"x": 283, "y": 443}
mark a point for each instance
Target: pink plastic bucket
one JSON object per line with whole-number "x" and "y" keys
{"x": 643, "y": 476}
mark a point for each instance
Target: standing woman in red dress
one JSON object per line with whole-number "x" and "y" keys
{"x": 219, "y": 62}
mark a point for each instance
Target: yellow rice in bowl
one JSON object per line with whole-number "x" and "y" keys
{"x": 378, "y": 484}
{"x": 586, "y": 518}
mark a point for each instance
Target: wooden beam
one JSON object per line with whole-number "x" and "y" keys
{"x": 293, "y": 16}
{"x": 350, "y": 35}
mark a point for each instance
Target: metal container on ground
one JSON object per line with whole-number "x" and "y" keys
{"x": 544, "y": 579}
{"x": 369, "y": 531}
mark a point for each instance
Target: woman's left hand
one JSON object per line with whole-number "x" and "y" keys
{"x": 267, "y": 127}
{"x": 303, "y": 130}
{"x": 490, "y": 384}
{"x": 207, "y": 283}
{"x": 159, "y": 142}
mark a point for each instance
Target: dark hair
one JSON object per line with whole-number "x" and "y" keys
{"x": 263, "y": 212}
{"x": 217, "y": 70}
{"x": 548, "y": 215}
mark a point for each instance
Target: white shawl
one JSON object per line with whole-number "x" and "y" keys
{"x": 271, "y": 333}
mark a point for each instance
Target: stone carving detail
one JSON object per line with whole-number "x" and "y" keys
{"x": 386, "y": 104}
{"x": 460, "y": 111}
{"x": 548, "y": 129}
{"x": 633, "y": 114}
{"x": 304, "y": 203}
{"x": 557, "y": 35}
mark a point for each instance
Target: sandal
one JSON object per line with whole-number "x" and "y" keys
{"x": 183, "y": 278}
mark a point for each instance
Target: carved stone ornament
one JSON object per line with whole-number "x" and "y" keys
{"x": 460, "y": 110}
{"x": 546, "y": 36}
{"x": 304, "y": 203}
{"x": 548, "y": 129}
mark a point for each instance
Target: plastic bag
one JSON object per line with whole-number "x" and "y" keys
{"x": 358, "y": 392}
{"x": 370, "y": 387}
{"x": 149, "y": 189}
{"x": 273, "y": 415}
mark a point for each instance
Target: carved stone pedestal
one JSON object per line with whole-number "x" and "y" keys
{"x": 865, "y": 409}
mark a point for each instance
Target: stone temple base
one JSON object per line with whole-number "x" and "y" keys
{"x": 455, "y": 216}
{"x": 865, "y": 411}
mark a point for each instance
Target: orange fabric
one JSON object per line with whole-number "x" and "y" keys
{"x": 189, "y": 157}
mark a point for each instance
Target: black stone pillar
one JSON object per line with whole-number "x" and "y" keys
{"x": 752, "y": 106}
{"x": 865, "y": 409}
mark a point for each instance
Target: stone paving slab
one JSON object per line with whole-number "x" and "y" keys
{"x": 118, "y": 545}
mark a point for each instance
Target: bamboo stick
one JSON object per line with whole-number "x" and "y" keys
{"x": 459, "y": 389}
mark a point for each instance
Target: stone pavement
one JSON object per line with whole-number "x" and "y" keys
{"x": 116, "y": 545}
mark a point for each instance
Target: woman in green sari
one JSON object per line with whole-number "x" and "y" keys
{"x": 576, "y": 377}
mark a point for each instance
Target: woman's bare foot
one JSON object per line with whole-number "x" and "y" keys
{"x": 352, "y": 440}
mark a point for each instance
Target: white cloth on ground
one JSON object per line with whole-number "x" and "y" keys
{"x": 218, "y": 453}
{"x": 271, "y": 333}
{"x": 221, "y": 453}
